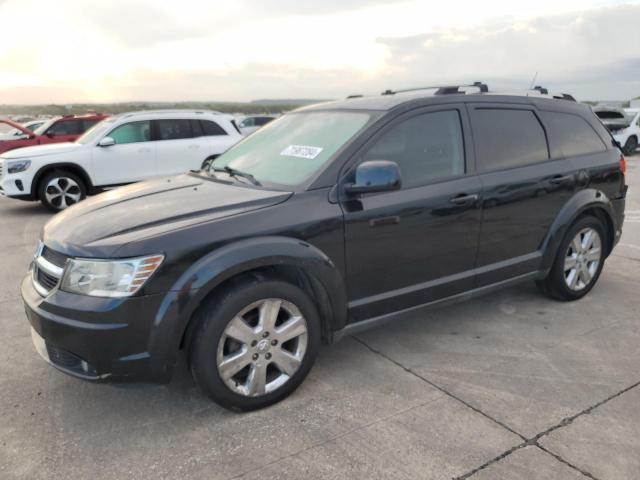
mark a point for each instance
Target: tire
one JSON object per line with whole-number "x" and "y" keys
{"x": 60, "y": 189}
{"x": 568, "y": 283}
{"x": 630, "y": 145}
{"x": 234, "y": 343}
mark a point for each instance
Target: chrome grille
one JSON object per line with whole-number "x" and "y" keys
{"x": 48, "y": 267}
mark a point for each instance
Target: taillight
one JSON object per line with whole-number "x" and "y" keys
{"x": 623, "y": 164}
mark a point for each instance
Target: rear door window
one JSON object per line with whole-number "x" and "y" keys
{"x": 87, "y": 124}
{"x": 173, "y": 129}
{"x": 507, "y": 138}
{"x": 571, "y": 135}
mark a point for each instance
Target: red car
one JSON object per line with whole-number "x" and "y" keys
{"x": 56, "y": 130}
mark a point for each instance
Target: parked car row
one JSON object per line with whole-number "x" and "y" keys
{"x": 121, "y": 149}
{"x": 335, "y": 218}
{"x": 624, "y": 125}
{"x": 55, "y": 130}
{"x": 18, "y": 131}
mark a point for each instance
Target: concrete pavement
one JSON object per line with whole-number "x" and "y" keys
{"x": 509, "y": 386}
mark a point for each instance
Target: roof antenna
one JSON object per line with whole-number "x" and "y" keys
{"x": 533, "y": 81}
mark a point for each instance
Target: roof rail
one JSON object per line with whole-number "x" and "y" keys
{"x": 169, "y": 111}
{"x": 560, "y": 96}
{"x": 442, "y": 89}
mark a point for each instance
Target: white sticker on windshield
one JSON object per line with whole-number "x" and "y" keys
{"x": 301, "y": 151}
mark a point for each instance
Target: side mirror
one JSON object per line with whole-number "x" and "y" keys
{"x": 50, "y": 134}
{"x": 375, "y": 176}
{"x": 106, "y": 142}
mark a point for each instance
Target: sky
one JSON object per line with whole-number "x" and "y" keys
{"x": 68, "y": 51}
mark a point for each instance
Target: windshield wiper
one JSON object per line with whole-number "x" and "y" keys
{"x": 238, "y": 173}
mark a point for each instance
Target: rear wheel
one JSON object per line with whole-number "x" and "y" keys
{"x": 254, "y": 344}
{"x": 630, "y": 146}
{"x": 61, "y": 189}
{"x": 578, "y": 262}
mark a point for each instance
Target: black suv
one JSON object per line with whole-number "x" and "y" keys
{"x": 333, "y": 218}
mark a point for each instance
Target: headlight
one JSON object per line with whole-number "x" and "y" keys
{"x": 109, "y": 278}
{"x": 18, "y": 166}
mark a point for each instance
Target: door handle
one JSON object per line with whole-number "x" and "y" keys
{"x": 144, "y": 150}
{"x": 561, "y": 179}
{"x": 379, "y": 222}
{"x": 194, "y": 147}
{"x": 463, "y": 199}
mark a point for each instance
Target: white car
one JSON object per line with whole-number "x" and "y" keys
{"x": 248, "y": 125}
{"x": 121, "y": 149}
{"x": 624, "y": 125}
{"x": 15, "y": 133}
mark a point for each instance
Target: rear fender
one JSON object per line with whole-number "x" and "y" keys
{"x": 584, "y": 200}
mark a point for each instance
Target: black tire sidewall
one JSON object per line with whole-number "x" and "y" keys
{"x": 57, "y": 174}
{"x": 631, "y": 142}
{"x": 557, "y": 285}
{"x": 213, "y": 318}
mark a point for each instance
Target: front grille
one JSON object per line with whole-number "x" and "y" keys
{"x": 47, "y": 281}
{"x": 47, "y": 269}
{"x": 57, "y": 258}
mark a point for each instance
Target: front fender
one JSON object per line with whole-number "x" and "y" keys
{"x": 197, "y": 282}
{"x": 582, "y": 201}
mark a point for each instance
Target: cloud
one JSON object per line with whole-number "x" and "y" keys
{"x": 313, "y": 7}
{"x": 582, "y": 50}
{"x": 149, "y": 50}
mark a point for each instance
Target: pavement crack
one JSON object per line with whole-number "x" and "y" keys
{"x": 533, "y": 441}
{"x": 569, "y": 420}
{"x": 438, "y": 387}
{"x": 562, "y": 460}
{"x": 504, "y": 454}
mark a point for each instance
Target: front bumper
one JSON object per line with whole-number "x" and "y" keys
{"x": 16, "y": 185}
{"x": 96, "y": 338}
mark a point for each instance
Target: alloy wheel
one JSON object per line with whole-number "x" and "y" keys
{"x": 62, "y": 192}
{"x": 582, "y": 259}
{"x": 262, "y": 347}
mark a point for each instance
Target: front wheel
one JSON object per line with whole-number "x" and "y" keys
{"x": 254, "y": 343}
{"x": 578, "y": 262}
{"x": 61, "y": 189}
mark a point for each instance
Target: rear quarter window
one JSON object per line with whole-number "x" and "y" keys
{"x": 571, "y": 135}
{"x": 211, "y": 128}
{"x": 507, "y": 138}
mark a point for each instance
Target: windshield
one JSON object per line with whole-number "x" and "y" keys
{"x": 95, "y": 133}
{"x": 288, "y": 151}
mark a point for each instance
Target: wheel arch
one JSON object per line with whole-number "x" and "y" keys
{"x": 283, "y": 257}
{"x": 586, "y": 202}
{"x": 70, "y": 167}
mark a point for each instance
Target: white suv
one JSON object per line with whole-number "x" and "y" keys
{"x": 122, "y": 149}
{"x": 624, "y": 125}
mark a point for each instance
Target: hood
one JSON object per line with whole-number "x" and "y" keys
{"x": 40, "y": 150}
{"x": 108, "y": 221}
